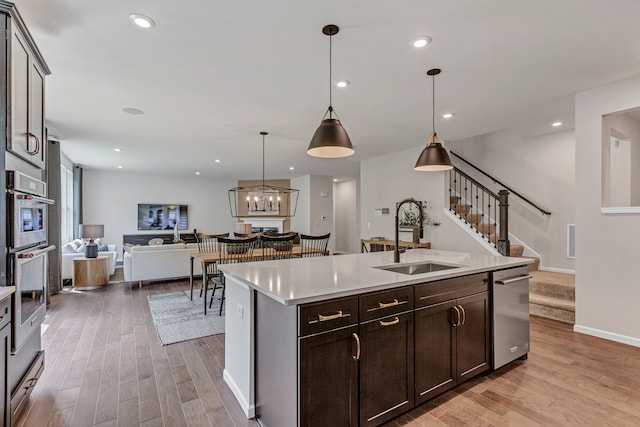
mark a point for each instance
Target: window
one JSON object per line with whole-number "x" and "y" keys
{"x": 66, "y": 204}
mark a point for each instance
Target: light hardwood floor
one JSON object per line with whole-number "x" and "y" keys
{"x": 105, "y": 367}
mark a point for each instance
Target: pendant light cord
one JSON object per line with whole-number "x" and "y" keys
{"x": 330, "y": 76}
{"x": 433, "y": 105}
{"x": 263, "y": 165}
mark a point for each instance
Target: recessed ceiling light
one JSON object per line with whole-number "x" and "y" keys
{"x": 343, "y": 83}
{"x": 134, "y": 111}
{"x": 117, "y": 150}
{"x": 197, "y": 173}
{"x": 142, "y": 21}
{"x": 447, "y": 115}
{"x": 291, "y": 168}
{"x": 120, "y": 166}
{"x": 218, "y": 160}
{"x": 335, "y": 179}
{"x": 556, "y": 124}
{"x": 421, "y": 41}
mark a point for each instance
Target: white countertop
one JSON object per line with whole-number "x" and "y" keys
{"x": 6, "y": 291}
{"x": 304, "y": 280}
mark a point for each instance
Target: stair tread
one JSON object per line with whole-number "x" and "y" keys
{"x": 558, "y": 279}
{"x": 552, "y": 302}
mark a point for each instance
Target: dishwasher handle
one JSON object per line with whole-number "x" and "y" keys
{"x": 515, "y": 279}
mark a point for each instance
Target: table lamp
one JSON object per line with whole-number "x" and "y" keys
{"x": 91, "y": 231}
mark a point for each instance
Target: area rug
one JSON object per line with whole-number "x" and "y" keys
{"x": 177, "y": 318}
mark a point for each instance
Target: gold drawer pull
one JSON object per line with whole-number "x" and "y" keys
{"x": 325, "y": 317}
{"x": 395, "y": 321}
{"x": 357, "y": 355}
{"x": 389, "y": 304}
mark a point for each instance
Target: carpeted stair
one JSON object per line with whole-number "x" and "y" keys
{"x": 551, "y": 295}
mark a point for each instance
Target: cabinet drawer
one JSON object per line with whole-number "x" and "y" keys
{"x": 5, "y": 312}
{"x": 24, "y": 389}
{"x": 443, "y": 290}
{"x": 385, "y": 303}
{"x": 327, "y": 315}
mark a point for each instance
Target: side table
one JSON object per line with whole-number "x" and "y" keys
{"x": 90, "y": 273}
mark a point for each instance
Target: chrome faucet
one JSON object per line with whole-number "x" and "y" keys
{"x": 396, "y": 250}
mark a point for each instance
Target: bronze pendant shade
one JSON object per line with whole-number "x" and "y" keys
{"x": 330, "y": 139}
{"x": 434, "y": 157}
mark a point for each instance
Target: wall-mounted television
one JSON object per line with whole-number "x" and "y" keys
{"x": 162, "y": 216}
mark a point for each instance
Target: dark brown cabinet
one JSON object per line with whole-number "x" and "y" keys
{"x": 386, "y": 368}
{"x": 329, "y": 349}
{"x": 363, "y": 360}
{"x": 452, "y": 339}
{"x": 329, "y": 379}
{"x": 386, "y": 356}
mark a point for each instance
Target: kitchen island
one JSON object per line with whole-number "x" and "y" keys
{"x": 344, "y": 340}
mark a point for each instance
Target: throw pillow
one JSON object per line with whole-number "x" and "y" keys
{"x": 80, "y": 248}
{"x": 156, "y": 241}
{"x": 69, "y": 248}
{"x": 103, "y": 248}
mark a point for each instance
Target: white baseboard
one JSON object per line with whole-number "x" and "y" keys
{"x": 611, "y": 336}
{"x": 249, "y": 410}
{"x": 557, "y": 270}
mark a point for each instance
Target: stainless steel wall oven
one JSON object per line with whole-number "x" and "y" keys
{"x": 28, "y": 253}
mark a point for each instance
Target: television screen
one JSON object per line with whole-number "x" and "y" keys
{"x": 162, "y": 216}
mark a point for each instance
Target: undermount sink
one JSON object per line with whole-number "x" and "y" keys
{"x": 420, "y": 268}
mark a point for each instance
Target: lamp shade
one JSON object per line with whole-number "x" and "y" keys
{"x": 330, "y": 141}
{"x": 91, "y": 231}
{"x": 434, "y": 157}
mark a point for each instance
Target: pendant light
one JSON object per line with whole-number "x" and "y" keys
{"x": 434, "y": 157}
{"x": 263, "y": 199}
{"x": 330, "y": 140}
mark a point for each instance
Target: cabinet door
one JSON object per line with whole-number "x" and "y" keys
{"x": 329, "y": 379}
{"x": 386, "y": 368}
{"x": 473, "y": 336}
{"x": 27, "y": 103}
{"x": 435, "y": 350}
{"x": 4, "y": 382}
{"x": 36, "y": 115}
{"x": 19, "y": 81}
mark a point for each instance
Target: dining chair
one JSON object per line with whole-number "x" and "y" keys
{"x": 277, "y": 247}
{"x": 230, "y": 251}
{"x": 312, "y": 246}
{"x": 207, "y": 243}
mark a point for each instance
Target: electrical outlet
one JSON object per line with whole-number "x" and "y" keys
{"x": 240, "y": 311}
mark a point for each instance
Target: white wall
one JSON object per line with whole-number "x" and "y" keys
{"x": 540, "y": 168}
{"x": 345, "y": 203}
{"x": 300, "y": 222}
{"x": 315, "y": 210}
{"x": 389, "y": 179}
{"x": 111, "y": 198}
{"x": 607, "y": 291}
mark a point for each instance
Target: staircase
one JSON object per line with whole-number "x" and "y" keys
{"x": 551, "y": 295}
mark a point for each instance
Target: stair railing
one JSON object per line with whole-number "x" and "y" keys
{"x": 482, "y": 209}
{"x": 506, "y": 187}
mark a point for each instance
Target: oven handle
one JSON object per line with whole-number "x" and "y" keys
{"x": 37, "y": 252}
{"x": 22, "y": 195}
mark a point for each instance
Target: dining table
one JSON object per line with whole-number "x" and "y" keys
{"x": 257, "y": 255}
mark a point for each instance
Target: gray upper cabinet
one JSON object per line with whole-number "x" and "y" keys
{"x": 26, "y": 118}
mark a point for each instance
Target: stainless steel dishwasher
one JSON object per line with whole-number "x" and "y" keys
{"x": 510, "y": 289}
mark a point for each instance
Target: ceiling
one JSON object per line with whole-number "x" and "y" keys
{"x": 212, "y": 74}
